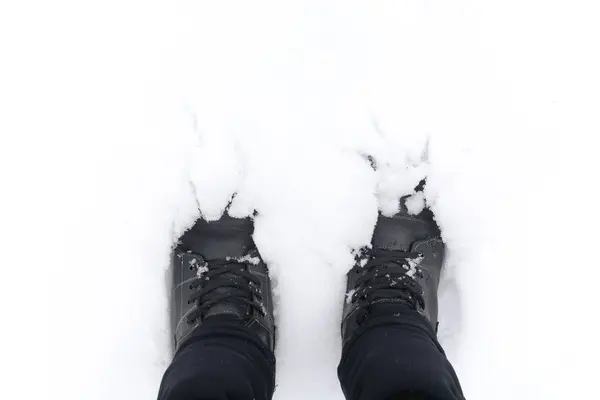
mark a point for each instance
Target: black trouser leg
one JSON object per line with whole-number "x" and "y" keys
{"x": 397, "y": 356}
{"x": 222, "y": 361}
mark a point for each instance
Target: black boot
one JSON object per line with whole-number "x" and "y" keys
{"x": 222, "y": 316}
{"x": 390, "y": 349}
{"x": 402, "y": 267}
{"x": 217, "y": 271}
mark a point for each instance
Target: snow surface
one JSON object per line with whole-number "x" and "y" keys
{"x": 122, "y": 120}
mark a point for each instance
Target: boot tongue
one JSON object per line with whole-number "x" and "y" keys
{"x": 397, "y": 233}
{"x": 220, "y": 245}
{"x": 228, "y": 237}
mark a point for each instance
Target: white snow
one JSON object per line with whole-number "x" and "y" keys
{"x": 202, "y": 270}
{"x": 415, "y": 203}
{"x": 349, "y": 295}
{"x": 253, "y": 260}
{"x": 121, "y": 121}
{"x": 413, "y": 264}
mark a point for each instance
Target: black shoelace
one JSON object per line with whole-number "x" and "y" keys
{"x": 387, "y": 276}
{"x": 225, "y": 281}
